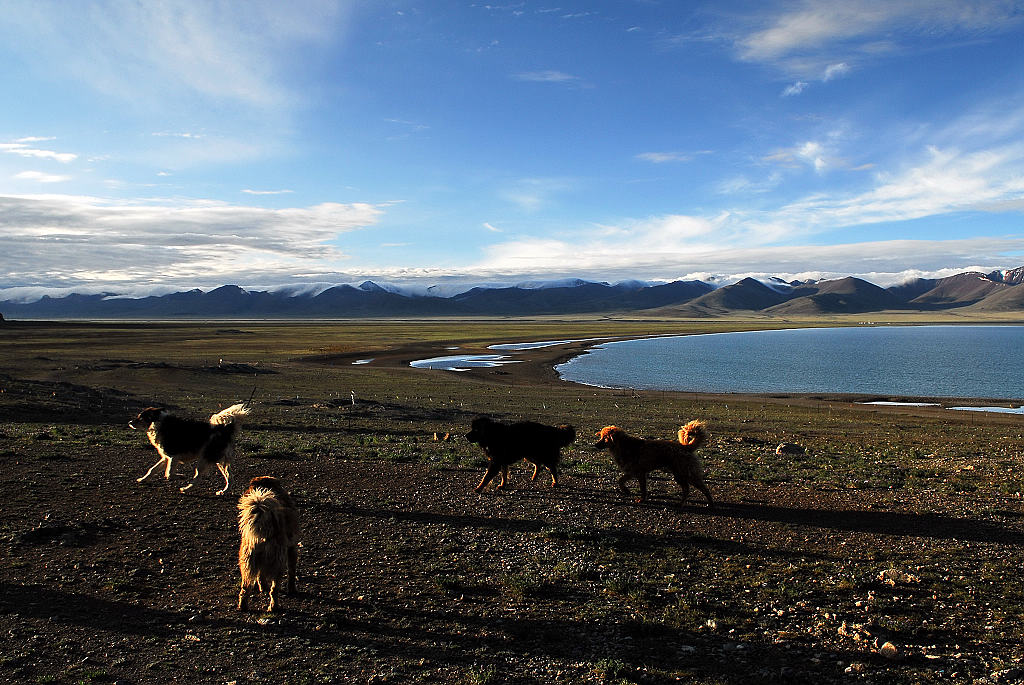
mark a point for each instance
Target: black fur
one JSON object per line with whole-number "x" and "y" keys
{"x": 179, "y": 435}
{"x": 504, "y": 444}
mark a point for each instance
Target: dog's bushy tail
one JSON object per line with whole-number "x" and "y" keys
{"x": 694, "y": 434}
{"x": 229, "y": 415}
{"x": 259, "y": 515}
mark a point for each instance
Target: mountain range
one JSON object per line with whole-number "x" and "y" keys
{"x": 998, "y": 291}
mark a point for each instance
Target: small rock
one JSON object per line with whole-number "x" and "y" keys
{"x": 889, "y": 651}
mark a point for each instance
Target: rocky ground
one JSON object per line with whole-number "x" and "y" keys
{"x": 889, "y": 553}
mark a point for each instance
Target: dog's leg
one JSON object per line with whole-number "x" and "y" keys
{"x": 227, "y": 477}
{"x": 153, "y": 468}
{"x": 684, "y": 485}
{"x": 191, "y": 482}
{"x": 504, "y": 478}
{"x": 622, "y": 484}
{"x": 698, "y": 482}
{"x": 243, "y": 597}
{"x": 273, "y": 595}
{"x": 201, "y": 468}
{"x": 536, "y": 467}
{"x": 554, "y": 475}
{"x": 492, "y": 471}
{"x": 643, "y": 487}
{"x": 707, "y": 493}
{"x": 169, "y": 469}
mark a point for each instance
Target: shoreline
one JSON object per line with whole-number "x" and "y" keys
{"x": 536, "y": 367}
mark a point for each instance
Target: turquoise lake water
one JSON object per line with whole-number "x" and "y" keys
{"x": 915, "y": 361}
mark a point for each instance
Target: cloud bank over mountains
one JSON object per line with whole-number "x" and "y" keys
{"x": 87, "y": 244}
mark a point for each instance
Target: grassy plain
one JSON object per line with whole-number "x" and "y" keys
{"x": 900, "y": 527}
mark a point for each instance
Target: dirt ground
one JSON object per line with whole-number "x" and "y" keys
{"x": 829, "y": 567}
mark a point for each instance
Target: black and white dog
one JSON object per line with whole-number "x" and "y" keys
{"x": 184, "y": 440}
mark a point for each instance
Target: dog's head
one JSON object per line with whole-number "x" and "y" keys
{"x": 146, "y": 417}
{"x": 606, "y": 437}
{"x": 567, "y": 433}
{"x": 265, "y": 482}
{"x": 479, "y": 429}
{"x": 268, "y": 483}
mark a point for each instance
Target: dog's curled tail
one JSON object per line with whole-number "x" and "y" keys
{"x": 694, "y": 434}
{"x": 229, "y": 415}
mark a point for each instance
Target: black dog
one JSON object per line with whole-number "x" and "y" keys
{"x": 505, "y": 444}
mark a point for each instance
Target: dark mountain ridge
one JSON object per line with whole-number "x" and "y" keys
{"x": 1001, "y": 291}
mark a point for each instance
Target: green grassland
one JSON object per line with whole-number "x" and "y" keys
{"x": 898, "y": 527}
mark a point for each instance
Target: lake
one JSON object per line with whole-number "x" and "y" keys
{"x": 915, "y": 361}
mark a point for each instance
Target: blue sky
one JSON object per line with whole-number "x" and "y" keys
{"x": 157, "y": 146}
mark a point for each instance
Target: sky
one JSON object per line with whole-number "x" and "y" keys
{"x": 148, "y": 147}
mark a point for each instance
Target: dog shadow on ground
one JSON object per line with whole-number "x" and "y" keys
{"x": 937, "y": 526}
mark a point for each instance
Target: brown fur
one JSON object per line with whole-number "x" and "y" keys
{"x": 506, "y": 443}
{"x": 207, "y": 443}
{"x": 637, "y": 457}
{"x": 269, "y": 523}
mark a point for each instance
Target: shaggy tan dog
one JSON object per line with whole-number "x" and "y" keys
{"x": 269, "y": 523}
{"x": 637, "y": 457}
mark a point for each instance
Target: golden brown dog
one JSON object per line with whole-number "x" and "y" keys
{"x": 637, "y": 457}
{"x": 185, "y": 440}
{"x": 269, "y": 523}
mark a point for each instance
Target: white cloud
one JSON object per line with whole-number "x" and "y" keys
{"x": 491, "y": 227}
{"x": 810, "y": 153}
{"x": 41, "y": 177}
{"x": 881, "y": 262}
{"x": 249, "y": 191}
{"x": 23, "y": 150}
{"x": 835, "y": 71}
{"x": 948, "y": 181}
{"x": 548, "y": 76}
{"x": 944, "y": 181}
{"x": 794, "y": 89}
{"x": 75, "y": 239}
{"x": 159, "y": 51}
{"x": 532, "y": 194}
{"x": 662, "y": 157}
{"x": 743, "y": 184}
{"x": 820, "y": 34}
